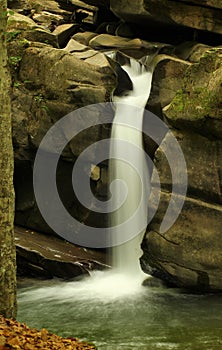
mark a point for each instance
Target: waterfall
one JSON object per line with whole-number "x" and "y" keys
{"x": 129, "y": 188}
{"x": 133, "y": 181}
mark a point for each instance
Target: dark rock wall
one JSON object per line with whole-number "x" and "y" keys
{"x": 193, "y": 243}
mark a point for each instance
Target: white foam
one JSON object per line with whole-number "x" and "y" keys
{"x": 102, "y": 286}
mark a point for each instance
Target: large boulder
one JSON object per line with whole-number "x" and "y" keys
{"x": 51, "y": 83}
{"x": 201, "y": 15}
{"x": 189, "y": 254}
{"x": 203, "y": 161}
{"x": 167, "y": 79}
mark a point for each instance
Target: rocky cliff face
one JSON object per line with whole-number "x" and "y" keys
{"x": 200, "y": 15}
{"x": 189, "y": 254}
{"x": 56, "y": 54}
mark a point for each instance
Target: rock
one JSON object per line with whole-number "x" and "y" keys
{"x": 20, "y": 6}
{"x": 42, "y": 256}
{"x": 124, "y": 81}
{"x": 110, "y": 41}
{"x": 84, "y": 38}
{"x": 197, "y": 52}
{"x": 197, "y": 15}
{"x": 17, "y": 21}
{"x": 124, "y": 30}
{"x": 90, "y": 56}
{"x": 27, "y": 213}
{"x": 26, "y": 28}
{"x": 153, "y": 282}
{"x": 42, "y": 36}
{"x": 191, "y": 51}
{"x": 189, "y": 253}
{"x": 67, "y": 78}
{"x": 23, "y": 183}
{"x": 40, "y": 10}
{"x": 104, "y": 3}
{"x": 64, "y": 31}
{"x": 95, "y": 172}
{"x": 49, "y": 84}
{"x": 75, "y": 46}
{"x": 99, "y": 60}
{"x": 47, "y": 19}
{"x": 167, "y": 80}
{"x": 84, "y": 13}
{"x": 135, "y": 48}
{"x": 197, "y": 105}
{"x": 84, "y": 5}
{"x": 210, "y": 3}
{"x": 50, "y": 6}
{"x": 203, "y": 164}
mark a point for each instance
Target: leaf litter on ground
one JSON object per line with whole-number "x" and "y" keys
{"x": 15, "y": 336}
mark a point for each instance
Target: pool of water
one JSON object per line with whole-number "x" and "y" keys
{"x": 115, "y": 317}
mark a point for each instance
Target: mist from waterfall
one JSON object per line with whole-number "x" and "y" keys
{"x": 133, "y": 179}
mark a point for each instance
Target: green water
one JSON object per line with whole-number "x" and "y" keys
{"x": 151, "y": 318}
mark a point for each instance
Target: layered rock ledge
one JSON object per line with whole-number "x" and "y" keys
{"x": 44, "y": 256}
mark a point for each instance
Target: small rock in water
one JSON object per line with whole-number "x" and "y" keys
{"x": 153, "y": 282}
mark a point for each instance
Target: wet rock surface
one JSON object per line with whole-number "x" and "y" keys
{"x": 44, "y": 256}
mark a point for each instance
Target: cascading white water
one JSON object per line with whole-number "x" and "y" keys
{"x": 127, "y": 126}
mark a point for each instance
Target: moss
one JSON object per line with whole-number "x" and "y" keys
{"x": 199, "y": 97}
{"x": 178, "y": 102}
{"x": 12, "y": 35}
{"x": 198, "y": 104}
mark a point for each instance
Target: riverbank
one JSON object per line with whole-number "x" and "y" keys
{"x": 16, "y": 335}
